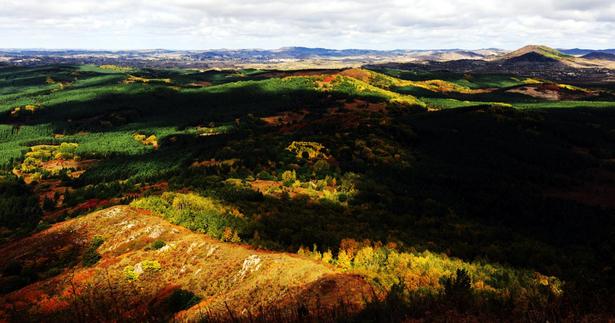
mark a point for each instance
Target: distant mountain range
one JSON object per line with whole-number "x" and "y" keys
{"x": 301, "y": 52}
{"x": 530, "y": 61}
{"x": 490, "y": 59}
{"x": 304, "y": 53}
{"x": 281, "y": 53}
{"x": 600, "y": 56}
{"x": 236, "y": 58}
{"x": 581, "y": 52}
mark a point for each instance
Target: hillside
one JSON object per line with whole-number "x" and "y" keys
{"x": 281, "y": 58}
{"x": 532, "y": 57}
{"x": 535, "y": 51}
{"x": 599, "y": 56}
{"x": 393, "y": 192}
{"x": 220, "y": 275}
{"x": 585, "y": 51}
{"x": 533, "y": 61}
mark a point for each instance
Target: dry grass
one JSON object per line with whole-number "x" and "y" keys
{"x": 221, "y": 274}
{"x": 553, "y": 91}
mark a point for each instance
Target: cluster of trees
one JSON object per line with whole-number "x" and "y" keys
{"x": 469, "y": 182}
{"x": 197, "y": 213}
{"x": 307, "y": 149}
{"x": 19, "y": 206}
{"x": 386, "y": 265}
{"x": 41, "y": 153}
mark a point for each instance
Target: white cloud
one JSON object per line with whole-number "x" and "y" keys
{"x": 385, "y": 24}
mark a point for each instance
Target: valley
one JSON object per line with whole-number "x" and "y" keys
{"x": 459, "y": 186}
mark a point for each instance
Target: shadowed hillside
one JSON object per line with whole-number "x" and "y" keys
{"x": 348, "y": 194}
{"x": 536, "y": 51}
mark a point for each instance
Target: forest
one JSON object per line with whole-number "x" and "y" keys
{"x": 483, "y": 196}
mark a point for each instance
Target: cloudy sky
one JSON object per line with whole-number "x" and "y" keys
{"x": 382, "y": 24}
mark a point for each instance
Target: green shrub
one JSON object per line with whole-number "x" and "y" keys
{"x": 150, "y": 265}
{"x": 91, "y": 255}
{"x": 43, "y": 225}
{"x": 458, "y": 285}
{"x": 264, "y": 175}
{"x": 157, "y": 244}
{"x": 181, "y": 300}
{"x": 133, "y": 273}
{"x": 130, "y": 273}
{"x": 194, "y": 212}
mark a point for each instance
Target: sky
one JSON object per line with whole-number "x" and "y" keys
{"x": 369, "y": 24}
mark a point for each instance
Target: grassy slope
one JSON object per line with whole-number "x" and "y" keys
{"x": 218, "y": 273}
{"x": 459, "y": 153}
{"x": 221, "y": 275}
{"x": 539, "y": 49}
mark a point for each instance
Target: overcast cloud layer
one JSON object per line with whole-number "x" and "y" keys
{"x": 381, "y": 24}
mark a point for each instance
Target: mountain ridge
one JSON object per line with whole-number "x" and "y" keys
{"x": 540, "y": 50}
{"x": 599, "y": 56}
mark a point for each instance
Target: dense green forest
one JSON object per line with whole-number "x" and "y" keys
{"x": 479, "y": 168}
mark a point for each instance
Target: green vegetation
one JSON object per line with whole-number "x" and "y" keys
{"x": 542, "y": 50}
{"x": 565, "y": 105}
{"x": 19, "y": 208}
{"x": 356, "y": 88}
{"x": 307, "y": 150}
{"x": 432, "y": 274}
{"x": 158, "y": 244}
{"x": 181, "y": 300}
{"x": 91, "y": 255}
{"x": 195, "y": 212}
{"x": 147, "y": 267}
{"x": 462, "y": 184}
{"x": 442, "y": 104}
{"x": 471, "y": 81}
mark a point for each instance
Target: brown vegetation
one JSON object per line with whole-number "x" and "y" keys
{"x": 222, "y": 275}
{"x": 553, "y": 92}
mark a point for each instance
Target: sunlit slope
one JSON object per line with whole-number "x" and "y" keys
{"x": 389, "y": 82}
{"x": 129, "y": 263}
{"x": 88, "y": 104}
{"x": 541, "y": 50}
{"x": 134, "y": 275}
{"x": 344, "y": 168}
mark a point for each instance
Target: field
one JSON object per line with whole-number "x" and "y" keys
{"x": 479, "y": 197}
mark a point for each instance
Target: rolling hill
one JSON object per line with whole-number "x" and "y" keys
{"x": 600, "y": 56}
{"x": 534, "y": 61}
{"x": 535, "y": 53}
{"x": 392, "y": 192}
{"x": 532, "y": 57}
{"x": 585, "y": 51}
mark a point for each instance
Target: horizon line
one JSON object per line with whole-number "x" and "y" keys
{"x": 238, "y": 48}
{"x": 271, "y": 49}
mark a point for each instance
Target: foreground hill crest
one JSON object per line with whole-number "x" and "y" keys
{"x": 230, "y": 275}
